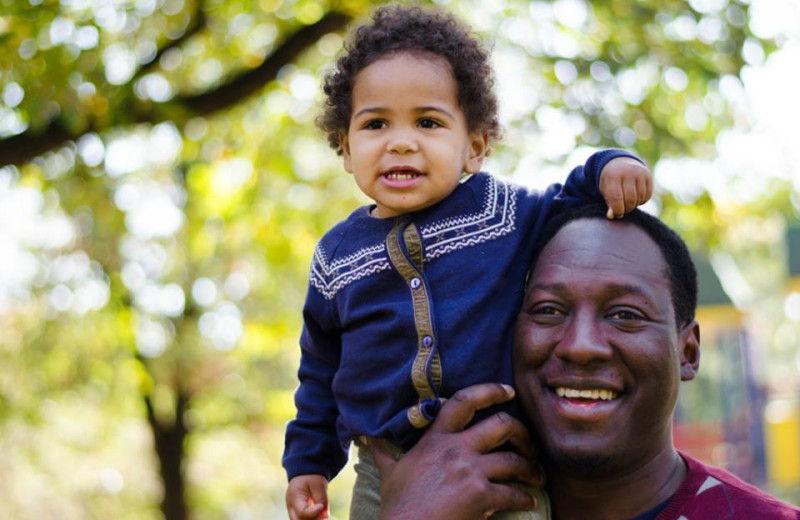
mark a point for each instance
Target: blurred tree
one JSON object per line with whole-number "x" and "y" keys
{"x": 123, "y": 64}
{"x": 167, "y": 151}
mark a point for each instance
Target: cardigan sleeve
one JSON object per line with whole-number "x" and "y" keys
{"x": 582, "y": 186}
{"x": 583, "y": 182}
{"x": 312, "y": 444}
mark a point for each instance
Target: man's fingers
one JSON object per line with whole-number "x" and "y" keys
{"x": 459, "y": 410}
{"x": 384, "y": 460}
{"x": 503, "y": 466}
{"x": 504, "y": 497}
{"x": 497, "y": 430}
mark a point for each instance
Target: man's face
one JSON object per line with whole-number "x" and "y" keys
{"x": 598, "y": 355}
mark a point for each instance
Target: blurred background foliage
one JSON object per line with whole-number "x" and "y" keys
{"x": 162, "y": 187}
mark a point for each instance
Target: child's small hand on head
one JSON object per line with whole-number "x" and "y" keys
{"x": 307, "y": 497}
{"x": 625, "y": 183}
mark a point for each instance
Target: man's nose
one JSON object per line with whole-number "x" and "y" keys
{"x": 402, "y": 141}
{"x": 584, "y": 342}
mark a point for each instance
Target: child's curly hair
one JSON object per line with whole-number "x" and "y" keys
{"x": 398, "y": 29}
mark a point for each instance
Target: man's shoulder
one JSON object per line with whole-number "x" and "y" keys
{"x": 712, "y": 492}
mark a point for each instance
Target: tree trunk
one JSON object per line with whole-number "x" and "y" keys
{"x": 169, "y": 444}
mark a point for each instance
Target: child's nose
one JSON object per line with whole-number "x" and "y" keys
{"x": 402, "y": 142}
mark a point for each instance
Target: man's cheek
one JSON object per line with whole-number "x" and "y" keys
{"x": 531, "y": 346}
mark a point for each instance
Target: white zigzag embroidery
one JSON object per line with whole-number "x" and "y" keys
{"x": 495, "y": 219}
{"x": 330, "y": 278}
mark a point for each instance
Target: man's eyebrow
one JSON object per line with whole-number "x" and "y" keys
{"x": 548, "y": 287}
{"x": 613, "y": 289}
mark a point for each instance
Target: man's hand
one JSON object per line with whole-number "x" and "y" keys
{"x": 307, "y": 497}
{"x": 625, "y": 183}
{"x": 452, "y": 472}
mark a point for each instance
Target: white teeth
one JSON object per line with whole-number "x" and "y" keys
{"x": 574, "y": 393}
{"x": 395, "y": 176}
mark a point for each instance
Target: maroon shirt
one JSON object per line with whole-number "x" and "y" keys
{"x": 710, "y": 493}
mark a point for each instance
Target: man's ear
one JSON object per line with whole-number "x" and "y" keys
{"x": 478, "y": 147}
{"x": 348, "y": 165}
{"x": 689, "y": 341}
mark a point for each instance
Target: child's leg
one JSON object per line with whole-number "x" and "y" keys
{"x": 366, "y": 501}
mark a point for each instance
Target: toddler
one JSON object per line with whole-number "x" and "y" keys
{"x": 414, "y": 297}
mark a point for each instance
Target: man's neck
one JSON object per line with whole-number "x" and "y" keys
{"x": 618, "y": 495}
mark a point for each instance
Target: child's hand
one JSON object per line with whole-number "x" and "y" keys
{"x": 625, "y": 183}
{"x": 307, "y": 497}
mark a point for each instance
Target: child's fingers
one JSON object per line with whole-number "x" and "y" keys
{"x": 615, "y": 199}
{"x": 644, "y": 189}
{"x": 295, "y": 502}
{"x": 319, "y": 491}
{"x": 630, "y": 195}
{"x": 305, "y": 510}
{"x": 316, "y": 511}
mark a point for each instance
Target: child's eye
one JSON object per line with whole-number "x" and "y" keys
{"x": 428, "y": 123}
{"x": 376, "y": 124}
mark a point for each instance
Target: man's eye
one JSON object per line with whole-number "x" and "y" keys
{"x": 626, "y": 315}
{"x": 375, "y": 125}
{"x": 428, "y": 123}
{"x": 548, "y": 310}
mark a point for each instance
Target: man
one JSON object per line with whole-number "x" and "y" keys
{"x": 604, "y": 337}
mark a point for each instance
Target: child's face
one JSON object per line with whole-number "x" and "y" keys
{"x": 408, "y": 143}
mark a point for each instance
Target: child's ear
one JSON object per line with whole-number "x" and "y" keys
{"x": 345, "y": 143}
{"x": 478, "y": 147}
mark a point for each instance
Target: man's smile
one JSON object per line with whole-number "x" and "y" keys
{"x": 594, "y": 394}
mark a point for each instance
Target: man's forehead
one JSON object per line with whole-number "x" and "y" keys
{"x": 612, "y": 251}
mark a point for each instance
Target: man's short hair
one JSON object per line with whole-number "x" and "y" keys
{"x": 680, "y": 267}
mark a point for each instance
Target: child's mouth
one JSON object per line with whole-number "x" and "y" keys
{"x": 401, "y": 175}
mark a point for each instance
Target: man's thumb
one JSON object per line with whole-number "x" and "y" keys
{"x": 383, "y": 458}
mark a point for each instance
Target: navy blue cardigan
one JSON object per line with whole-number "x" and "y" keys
{"x": 403, "y": 312}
